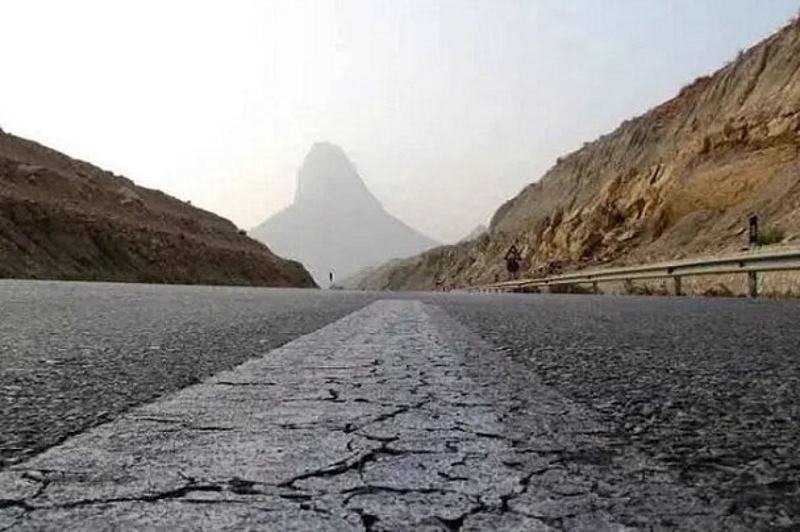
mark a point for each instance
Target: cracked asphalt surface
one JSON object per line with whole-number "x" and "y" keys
{"x": 432, "y": 412}
{"x": 709, "y": 388}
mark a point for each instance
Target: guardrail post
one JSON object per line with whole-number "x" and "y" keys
{"x": 678, "y": 282}
{"x": 595, "y": 288}
{"x": 752, "y": 284}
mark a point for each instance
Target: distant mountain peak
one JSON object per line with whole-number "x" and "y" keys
{"x": 328, "y": 176}
{"x": 335, "y": 223}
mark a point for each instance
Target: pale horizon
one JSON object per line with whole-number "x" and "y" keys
{"x": 446, "y": 108}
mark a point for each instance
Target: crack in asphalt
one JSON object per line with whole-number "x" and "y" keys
{"x": 178, "y": 493}
{"x": 332, "y": 470}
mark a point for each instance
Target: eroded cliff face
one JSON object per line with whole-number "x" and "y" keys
{"x": 65, "y": 219}
{"x": 677, "y": 181}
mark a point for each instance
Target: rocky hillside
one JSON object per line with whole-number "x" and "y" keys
{"x": 677, "y": 181}
{"x": 65, "y": 219}
{"x": 335, "y": 224}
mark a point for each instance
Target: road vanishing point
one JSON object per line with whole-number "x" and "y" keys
{"x": 209, "y": 408}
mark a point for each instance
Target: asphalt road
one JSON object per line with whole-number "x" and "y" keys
{"x": 73, "y": 355}
{"x": 709, "y": 388}
{"x": 443, "y": 412}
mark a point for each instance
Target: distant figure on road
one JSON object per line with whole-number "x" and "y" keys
{"x": 513, "y": 259}
{"x": 330, "y": 277}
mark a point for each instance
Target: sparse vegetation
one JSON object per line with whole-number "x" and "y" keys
{"x": 772, "y": 235}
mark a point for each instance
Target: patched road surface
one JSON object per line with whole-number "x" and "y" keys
{"x": 406, "y": 415}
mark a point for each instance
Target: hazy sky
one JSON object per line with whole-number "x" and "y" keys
{"x": 447, "y": 108}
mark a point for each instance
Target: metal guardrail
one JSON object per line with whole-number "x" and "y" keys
{"x": 750, "y": 263}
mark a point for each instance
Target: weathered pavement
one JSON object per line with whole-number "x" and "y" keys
{"x": 395, "y": 417}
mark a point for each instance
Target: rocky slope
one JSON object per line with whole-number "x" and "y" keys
{"x": 65, "y": 219}
{"x": 677, "y": 181}
{"x": 335, "y": 223}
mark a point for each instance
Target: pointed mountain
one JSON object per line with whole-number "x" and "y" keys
{"x": 335, "y": 223}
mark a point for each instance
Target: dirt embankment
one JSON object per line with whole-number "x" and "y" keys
{"x": 677, "y": 181}
{"x": 61, "y": 218}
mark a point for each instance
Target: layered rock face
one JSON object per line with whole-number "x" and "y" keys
{"x": 335, "y": 223}
{"x": 678, "y": 181}
{"x": 65, "y": 219}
